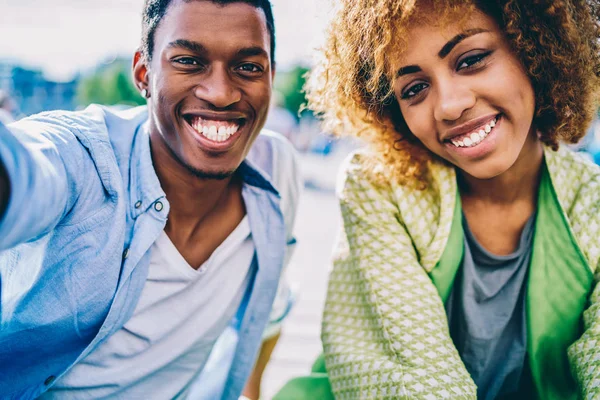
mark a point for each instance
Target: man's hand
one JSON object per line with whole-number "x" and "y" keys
{"x": 252, "y": 389}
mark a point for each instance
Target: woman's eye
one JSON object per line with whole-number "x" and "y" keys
{"x": 472, "y": 61}
{"x": 414, "y": 90}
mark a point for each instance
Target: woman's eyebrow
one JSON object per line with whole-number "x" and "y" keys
{"x": 411, "y": 69}
{"x": 457, "y": 39}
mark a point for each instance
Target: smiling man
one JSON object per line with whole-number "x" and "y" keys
{"x": 130, "y": 242}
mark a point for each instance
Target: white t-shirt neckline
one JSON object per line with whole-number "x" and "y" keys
{"x": 180, "y": 264}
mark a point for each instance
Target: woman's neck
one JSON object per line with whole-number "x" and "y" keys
{"x": 519, "y": 183}
{"x": 497, "y": 209}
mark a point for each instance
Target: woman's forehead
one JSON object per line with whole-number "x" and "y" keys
{"x": 417, "y": 33}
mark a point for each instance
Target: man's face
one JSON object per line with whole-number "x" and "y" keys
{"x": 209, "y": 82}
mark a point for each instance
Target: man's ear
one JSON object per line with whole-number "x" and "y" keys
{"x": 140, "y": 72}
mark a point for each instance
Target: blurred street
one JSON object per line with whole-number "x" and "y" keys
{"x": 317, "y": 226}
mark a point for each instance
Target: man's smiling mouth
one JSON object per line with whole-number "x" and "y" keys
{"x": 215, "y": 130}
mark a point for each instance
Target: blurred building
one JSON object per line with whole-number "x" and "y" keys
{"x": 34, "y": 93}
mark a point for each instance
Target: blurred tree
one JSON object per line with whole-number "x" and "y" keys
{"x": 290, "y": 84}
{"x": 110, "y": 84}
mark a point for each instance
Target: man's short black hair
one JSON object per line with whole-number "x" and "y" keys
{"x": 155, "y": 10}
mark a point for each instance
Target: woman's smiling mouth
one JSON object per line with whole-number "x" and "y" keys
{"x": 478, "y": 140}
{"x": 474, "y": 138}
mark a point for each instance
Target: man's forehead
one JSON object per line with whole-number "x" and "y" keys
{"x": 236, "y": 24}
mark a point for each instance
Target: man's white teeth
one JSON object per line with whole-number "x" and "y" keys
{"x": 476, "y": 137}
{"x": 213, "y": 132}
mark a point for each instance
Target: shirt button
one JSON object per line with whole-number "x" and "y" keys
{"x": 125, "y": 254}
{"x": 138, "y": 204}
{"x": 158, "y": 206}
{"x": 49, "y": 380}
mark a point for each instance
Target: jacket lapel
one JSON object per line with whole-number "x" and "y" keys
{"x": 445, "y": 271}
{"x": 558, "y": 287}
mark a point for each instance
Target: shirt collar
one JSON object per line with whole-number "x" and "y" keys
{"x": 145, "y": 189}
{"x": 252, "y": 175}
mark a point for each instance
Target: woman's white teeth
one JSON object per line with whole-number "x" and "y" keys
{"x": 217, "y": 133}
{"x": 476, "y": 137}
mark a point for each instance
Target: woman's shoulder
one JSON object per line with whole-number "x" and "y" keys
{"x": 368, "y": 168}
{"x": 425, "y": 214}
{"x": 364, "y": 168}
{"x": 576, "y": 182}
{"x": 573, "y": 176}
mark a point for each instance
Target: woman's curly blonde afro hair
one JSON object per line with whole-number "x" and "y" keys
{"x": 350, "y": 88}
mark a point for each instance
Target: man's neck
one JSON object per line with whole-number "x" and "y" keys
{"x": 191, "y": 198}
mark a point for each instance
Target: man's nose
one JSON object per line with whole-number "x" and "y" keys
{"x": 453, "y": 99}
{"x": 218, "y": 89}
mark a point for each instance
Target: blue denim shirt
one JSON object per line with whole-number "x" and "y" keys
{"x": 85, "y": 207}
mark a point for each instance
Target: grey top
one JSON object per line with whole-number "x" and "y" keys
{"x": 486, "y": 314}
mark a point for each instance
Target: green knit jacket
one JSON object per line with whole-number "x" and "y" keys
{"x": 385, "y": 332}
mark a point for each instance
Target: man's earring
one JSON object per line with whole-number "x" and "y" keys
{"x": 145, "y": 93}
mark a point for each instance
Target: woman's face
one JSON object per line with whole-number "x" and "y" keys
{"x": 465, "y": 95}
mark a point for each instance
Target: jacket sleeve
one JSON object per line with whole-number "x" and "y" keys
{"x": 584, "y": 354}
{"x": 39, "y": 189}
{"x": 385, "y": 332}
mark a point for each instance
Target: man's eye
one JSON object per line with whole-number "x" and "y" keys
{"x": 472, "y": 61}
{"x": 186, "y": 61}
{"x": 250, "y": 68}
{"x": 414, "y": 90}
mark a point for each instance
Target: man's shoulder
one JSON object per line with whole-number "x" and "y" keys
{"x": 101, "y": 135}
{"x": 269, "y": 140}
{"x": 275, "y": 156}
{"x": 97, "y": 123}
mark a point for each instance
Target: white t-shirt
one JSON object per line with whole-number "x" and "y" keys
{"x": 181, "y": 313}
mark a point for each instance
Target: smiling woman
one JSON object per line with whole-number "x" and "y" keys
{"x": 471, "y": 239}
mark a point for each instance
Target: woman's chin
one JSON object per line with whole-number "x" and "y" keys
{"x": 484, "y": 172}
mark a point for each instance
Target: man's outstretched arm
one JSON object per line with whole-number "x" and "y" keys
{"x": 36, "y": 189}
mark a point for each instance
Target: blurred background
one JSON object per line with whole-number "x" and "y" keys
{"x": 66, "y": 54}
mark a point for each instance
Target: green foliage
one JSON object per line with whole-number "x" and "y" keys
{"x": 110, "y": 84}
{"x": 290, "y": 84}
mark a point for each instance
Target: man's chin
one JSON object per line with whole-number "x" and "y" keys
{"x": 202, "y": 172}
{"x": 209, "y": 174}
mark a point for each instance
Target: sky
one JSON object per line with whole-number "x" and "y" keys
{"x": 63, "y": 37}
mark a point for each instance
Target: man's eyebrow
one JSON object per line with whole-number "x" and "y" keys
{"x": 457, "y": 39}
{"x": 189, "y": 45}
{"x": 251, "y": 52}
